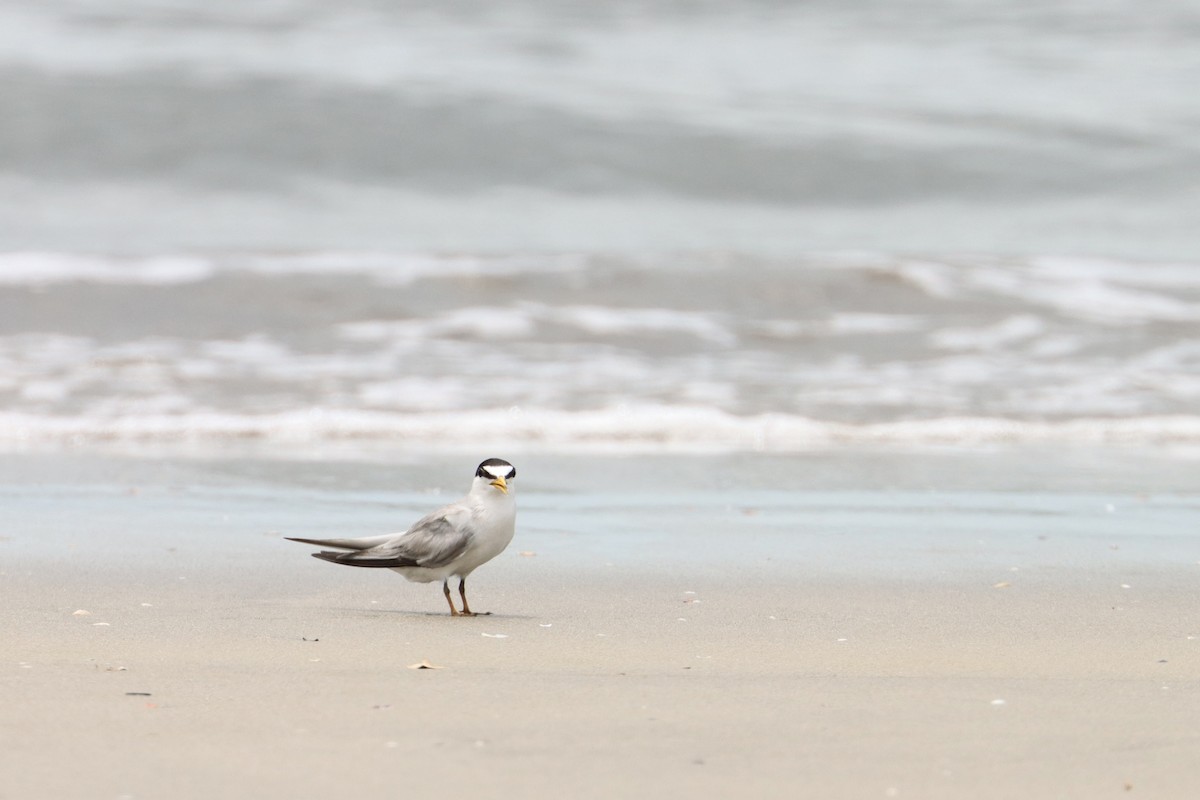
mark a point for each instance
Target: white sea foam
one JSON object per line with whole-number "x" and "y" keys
{"x": 476, "y": 322}
{"x": 608, "y": 321}
{"x": 1108, "y": 292}
{"x": 1011, "y": 330}
{"x": 416, "y": 393}
{"x": 840, "y": 324}
{"x": 935, "y": 280}
{"x": 427, "y": 364}
{"x": 521, "y": 321}
{"x": 1170, "y": 276}
{"x": 32, "y": 268}
{"x": 401, "y": 268}
{"x": 630, "y": 428}
{"x": 1092, "y": 298}
{"x": 40, "y": 268}
{"x": 973, "y": 349}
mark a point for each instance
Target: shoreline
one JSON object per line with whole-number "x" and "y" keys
{"x": 408, "y": 466}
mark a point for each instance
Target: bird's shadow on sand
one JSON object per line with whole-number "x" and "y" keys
{"x": 402, "y": 612}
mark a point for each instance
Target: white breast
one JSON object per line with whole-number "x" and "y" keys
{"x": 494, "y": 522}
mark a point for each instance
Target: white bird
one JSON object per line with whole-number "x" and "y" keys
{"x": 452, "y": 541}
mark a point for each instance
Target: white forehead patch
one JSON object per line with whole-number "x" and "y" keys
{"x": 497, "y": 470}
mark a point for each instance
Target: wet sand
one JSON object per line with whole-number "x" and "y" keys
{"x": 217, "y": 660}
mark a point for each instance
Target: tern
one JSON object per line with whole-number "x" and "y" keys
{"x": 453, "y": 541}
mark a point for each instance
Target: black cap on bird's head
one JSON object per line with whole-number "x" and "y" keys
{"x": 497, "y": 472}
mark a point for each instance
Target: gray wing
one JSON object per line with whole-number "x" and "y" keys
{"x": 434, "y": 541}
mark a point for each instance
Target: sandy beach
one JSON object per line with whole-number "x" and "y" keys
{"x": 771, "y": 644}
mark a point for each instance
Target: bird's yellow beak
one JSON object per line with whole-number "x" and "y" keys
{"x": 501, "y": 484}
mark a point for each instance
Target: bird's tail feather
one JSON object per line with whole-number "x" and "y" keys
{"x": 352, "y": 560}
{"x": 344, "y": 544}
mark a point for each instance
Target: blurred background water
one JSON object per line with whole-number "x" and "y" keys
{"x": 755, "y": 224}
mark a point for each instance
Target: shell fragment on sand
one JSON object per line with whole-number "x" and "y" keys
{"x": 423, "y": 664}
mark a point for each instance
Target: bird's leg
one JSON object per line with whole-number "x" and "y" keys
{"x": 462, "y": 592}
{"x": 446, "y": 591}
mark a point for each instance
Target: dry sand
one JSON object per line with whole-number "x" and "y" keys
{"x": 588, "y": 683}
{"x": 688, "y": 634}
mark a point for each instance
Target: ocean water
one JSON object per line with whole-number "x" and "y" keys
{"x": 1002, "y": 127}
{"x": 735, "y": 226}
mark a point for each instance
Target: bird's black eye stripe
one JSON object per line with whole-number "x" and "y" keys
{"x": 495, "y": 468}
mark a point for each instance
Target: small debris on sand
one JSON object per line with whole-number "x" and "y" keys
{"x": 423, "y": 664}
